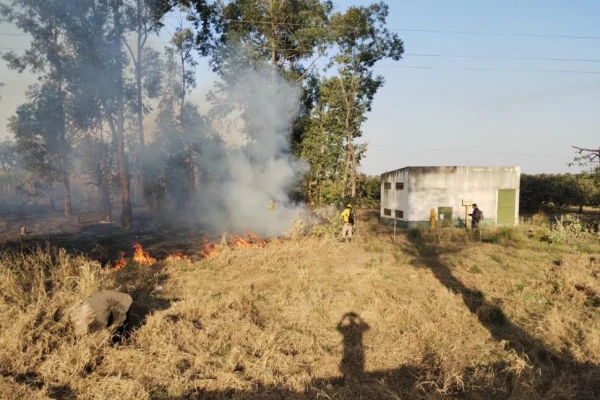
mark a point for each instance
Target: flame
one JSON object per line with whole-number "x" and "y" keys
{"x": 177, "y": 256}
{"x": 120, "y": 263}
{"x": 238, "y": 242}
{"x": 235, "y": 242}
{"x": 140, "y": 256}
{"x": 210, "y": 249}
{"x": 256, "y": 241}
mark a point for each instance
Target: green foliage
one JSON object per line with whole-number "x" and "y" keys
{"x": 508, "y": 236}
{"x": 546, "y": 191}
{"x": 10, "y": 159}
{"x": 37, "y": 130}
{"x": 567, "y": 228}
{"x": 475, "y": 269}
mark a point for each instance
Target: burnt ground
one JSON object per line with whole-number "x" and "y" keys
{"x": 85, "y": 234}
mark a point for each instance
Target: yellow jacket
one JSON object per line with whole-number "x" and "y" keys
{"x": 346, "y": 214}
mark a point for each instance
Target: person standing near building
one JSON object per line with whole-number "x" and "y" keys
{"x": 476, "y": 216}
{"x": 348, "y": 216}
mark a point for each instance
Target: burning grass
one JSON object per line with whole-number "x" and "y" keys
{"x": 276, "y": 322}
{"x": 141, "y": 257}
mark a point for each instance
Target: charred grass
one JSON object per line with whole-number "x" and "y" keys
{"x": 437, "y": 314}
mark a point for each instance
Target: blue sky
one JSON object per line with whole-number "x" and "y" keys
{"x": 466, "y": 115}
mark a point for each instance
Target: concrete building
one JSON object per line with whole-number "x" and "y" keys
{"x": 409, "y": 194}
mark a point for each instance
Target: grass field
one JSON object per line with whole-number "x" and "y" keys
{"x": 435, "y": 314}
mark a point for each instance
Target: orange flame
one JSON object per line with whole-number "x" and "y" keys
{"x": 238, "y": 242}
{"x": 177, "y": 256}
{"x": 140, "y": 256}
{"x": 235, "y": 242}
{"x": 256, "y": 241}
{"x": 120, "y": 263}
{"x": 210, "y": 249}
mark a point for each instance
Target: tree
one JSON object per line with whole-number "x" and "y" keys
{"x": 37, "y": 130}
{"x": 10, "y": 159}
{"x": 178, "y": 120}
{"x": 283, "y": 34}
{"x": 97, "y": 156}
{"x": 322, "y": 143}
{"x": 119, "y": 129}
{"x": 46, "y": 56}
{"x": 361, "y": 39}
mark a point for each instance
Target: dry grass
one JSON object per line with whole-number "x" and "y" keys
{"x": 444, "y": 314}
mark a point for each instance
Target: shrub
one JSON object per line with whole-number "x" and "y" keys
{"x": 567, "y": 228}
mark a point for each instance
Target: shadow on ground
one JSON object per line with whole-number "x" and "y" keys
{"x": 554, "y": 375}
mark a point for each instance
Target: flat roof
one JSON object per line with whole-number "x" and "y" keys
{"x": 453, "y": 168}
{"x": 433, "y": 168}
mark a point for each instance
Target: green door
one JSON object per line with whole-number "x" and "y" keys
{"x": 507, "y": 200}
{"x": 445, "y": 216}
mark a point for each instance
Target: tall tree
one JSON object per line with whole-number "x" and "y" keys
{"x": 46, "y": 57}
{"x": 361, "y": 39}
{"x": 37, "y": 130}
{"x": 126, "y": 212}
{"x": 287, "y": 35}
{"x": 178, "y": 121}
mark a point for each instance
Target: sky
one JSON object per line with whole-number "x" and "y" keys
{"x": 474, "y": 110}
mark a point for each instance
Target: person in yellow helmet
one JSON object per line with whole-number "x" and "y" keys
{"x": 348, "y": 216}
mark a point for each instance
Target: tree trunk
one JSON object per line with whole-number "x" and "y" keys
{"x": 126, "y": 219}
{"x": 581, "y": 209}
{"x": 354, "y": 165}
{"x": 63, "y": 151}
{"x": 106, "y": 204}
{"x": 345, "y": 181}
{"x": 66, "y": 193}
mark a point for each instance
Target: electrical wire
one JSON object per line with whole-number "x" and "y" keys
{"x": 471, "y": 151}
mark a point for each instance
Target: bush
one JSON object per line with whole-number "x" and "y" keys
{"x": 567, "y": 228}
{"x": 507, "y": 236}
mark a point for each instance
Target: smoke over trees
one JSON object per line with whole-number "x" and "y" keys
{"x": 295, "y": 84}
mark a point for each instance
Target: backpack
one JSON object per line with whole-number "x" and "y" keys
{"x": 351, "y": 218}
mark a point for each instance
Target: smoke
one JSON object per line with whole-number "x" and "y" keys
{"x": 248, "y": 180}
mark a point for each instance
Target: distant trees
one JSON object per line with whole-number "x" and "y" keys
{"x": 560, "y": 190}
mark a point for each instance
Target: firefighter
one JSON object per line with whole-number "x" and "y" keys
{"x": 104, "y": 309}
{"x": 348, "y": 216}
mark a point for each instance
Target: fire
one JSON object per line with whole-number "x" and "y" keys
{"x": 177, "y": 256}
{"x": 256, "y": 241}
{"x": 235, "y": 242}
{"x": 120, "y": 263}
{"x": 210, "y": 249}
{"x": 238, "y": 242}
{"x": 140, "y": 256}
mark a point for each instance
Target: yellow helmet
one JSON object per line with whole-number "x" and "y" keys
{"x": 349, "y": 205}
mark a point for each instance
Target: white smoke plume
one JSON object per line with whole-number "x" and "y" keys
{"x": 247, "y": 179}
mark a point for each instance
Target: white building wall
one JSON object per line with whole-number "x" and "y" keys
{"x": 393, "y": 198}
{"x": 432, "y": 187}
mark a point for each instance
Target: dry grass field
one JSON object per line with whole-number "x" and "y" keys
{"x": 434, "y": 315}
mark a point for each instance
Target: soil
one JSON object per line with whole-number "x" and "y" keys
{"x": 89, "y": 236}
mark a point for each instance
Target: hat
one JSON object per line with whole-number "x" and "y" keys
{"x": 349, "y": 205}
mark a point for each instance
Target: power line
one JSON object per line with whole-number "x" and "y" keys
{"x": 418, "y": 55}
{"x": 473, "y": 151}
{"x": 435, "y": 31}
{"x": 487, "y": 69}
{"x": 425, "y": 30}
{"x": 502, "y": 57}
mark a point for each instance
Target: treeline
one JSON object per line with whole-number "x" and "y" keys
{"x": 543, "y": 191}
{"x": 99, "y": 77}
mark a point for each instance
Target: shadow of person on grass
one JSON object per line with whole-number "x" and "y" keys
{"x": 583, "y": 378}
{"x": 352, "y": 328}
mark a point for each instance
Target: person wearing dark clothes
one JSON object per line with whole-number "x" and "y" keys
{"x": 476, "y": 216}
